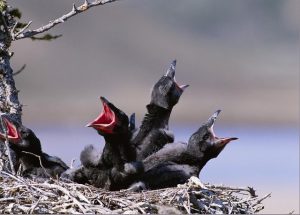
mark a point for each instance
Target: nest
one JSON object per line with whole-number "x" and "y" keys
{"x": 22, "y": 195}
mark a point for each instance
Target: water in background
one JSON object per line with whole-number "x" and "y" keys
{"x": 266, "y": 158}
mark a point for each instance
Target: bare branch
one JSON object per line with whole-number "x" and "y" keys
{"x": 13, "y": 30}
{"x": 40, "y": 160}
{"x": 20, "y": 70}
{"x": 35, "y": 205}
{"x": 22, "y": 30}
{"x": 261, "y": 199}
{"x": 75, "y": 10}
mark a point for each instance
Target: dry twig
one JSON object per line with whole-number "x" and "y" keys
{"x": 20, "y": 70}
{"x": 40, "y": 161}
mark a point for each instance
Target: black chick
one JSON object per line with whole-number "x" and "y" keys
{"x": 9, "y": 131}
{"x": 177, "y": 162}
{"x": 113, "y": 125}
{"x": 115, "y": 168}
{"x": 29, "y": 152}
{"x": 153, "y": 133}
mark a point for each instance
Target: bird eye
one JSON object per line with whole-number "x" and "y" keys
{"x": 206, "y": 136}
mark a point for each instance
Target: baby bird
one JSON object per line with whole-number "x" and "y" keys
{"x": 177, "y": 162}
{"x": 115, "y": 168}
{"x": 154, "y": 132}
{"x": 29, "y": 152}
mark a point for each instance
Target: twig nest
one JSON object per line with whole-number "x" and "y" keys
{"x": 20, "y": 195}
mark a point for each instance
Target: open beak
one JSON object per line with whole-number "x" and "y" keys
{"x": 171, "y": 73}
{"x": 106, "y": 121}
{"x": 219, "y": 142}
{"x": 11, "y": 132}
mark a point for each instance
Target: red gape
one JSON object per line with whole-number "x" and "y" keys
{"x": 219, "y": 141}
{"x": 12, "y": 132}
{"x": 106, "y": 121}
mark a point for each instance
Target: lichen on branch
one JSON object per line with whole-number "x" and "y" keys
{"x": 24, "y": 33}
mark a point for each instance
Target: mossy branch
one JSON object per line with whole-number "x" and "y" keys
{"x": 24, "y": 33}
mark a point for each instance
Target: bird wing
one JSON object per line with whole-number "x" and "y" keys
{"x": 167, "y": 174}
{"x": 55, "y": 160}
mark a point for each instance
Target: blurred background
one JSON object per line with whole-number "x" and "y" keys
{"x": 238, "y": 56}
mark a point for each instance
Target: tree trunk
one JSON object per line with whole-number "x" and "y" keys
{"x": 10, "y": 106}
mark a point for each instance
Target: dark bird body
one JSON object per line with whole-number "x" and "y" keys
{"x": 115, "y": 168}
{"x": 154, "y": 132}
{"x": 177, "y": 162}
{"x": 28, "y": 150}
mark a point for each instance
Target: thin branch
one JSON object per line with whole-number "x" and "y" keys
{"x": 35, "y": 205}
{"x": 20, "y": 70}
{"x": 261, "y": 199}
{"x": 40, "y": 160}
{"x": 250, "y": 190}
{"x": 22, "y": 182}
{"x": 75, "y": 10}
{"x": 22, "y": 30}
{"x": 13, "y": 29}
{"x": 13, "y": 177}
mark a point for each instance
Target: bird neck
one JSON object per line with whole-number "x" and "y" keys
{"x": 156, "y": 117}
{"x": 119, "y": 145}
{"x": 198, "y": 158}
{"x": 117, "y": 138}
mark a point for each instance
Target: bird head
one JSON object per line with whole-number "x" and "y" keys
{"x": 10, "y": 131}
{"x": 30, "y": 142}
{"x": 20, "y": 137}
{"x": 166, "y": 92}
{"x": 205, "y": 141}
{"x": 111, "y": 120}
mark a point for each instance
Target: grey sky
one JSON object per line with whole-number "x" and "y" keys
{"x": 239, "y": 56}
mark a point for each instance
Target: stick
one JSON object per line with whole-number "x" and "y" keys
{"x": 261, "y": 199}
{"x": 65, "y": 191}
{"x": 40, "y": 160}
{"x": 20, "y": 70}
